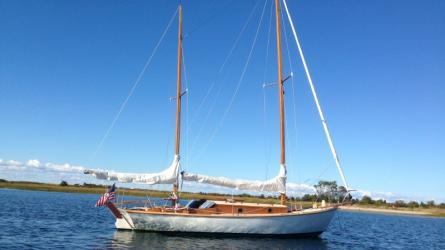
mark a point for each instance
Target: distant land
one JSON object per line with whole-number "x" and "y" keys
{"x": 366, "y": 204}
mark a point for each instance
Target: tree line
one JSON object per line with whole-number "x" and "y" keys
{"x": 328, "y": 191}
{"x": 366, "y": 200}
{"x": 331, "y": 192}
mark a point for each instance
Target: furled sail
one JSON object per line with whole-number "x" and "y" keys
{"x": 276, "y": 184}
{"x": 168, "y": 176}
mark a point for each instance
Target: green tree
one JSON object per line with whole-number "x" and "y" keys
{"x": 430, "y": 204}
{"x": 63, "y": 183}
{"x": 330, "y": 191}
{"x": 326, "y": 190}
{"x": 399, "y": 203}
{"x": 413, "y": 204}
{"x": 309, "y": 197}
{"x": 342, "y": 194}
{"x": 380, "y": 202}
{"x": 366, "y": 200}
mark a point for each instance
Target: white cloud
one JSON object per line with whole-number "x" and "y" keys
{"x": 299, "y": 189}
{"x": 390, "y": 196}
{"x": 35, "y": 164}
{"x": 11, "y": 165}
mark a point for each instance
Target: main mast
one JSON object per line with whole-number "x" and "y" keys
{"x": 178, "y": 93}
{"x": 280, "y": 92}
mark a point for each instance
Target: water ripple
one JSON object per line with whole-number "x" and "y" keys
{"x": 46, "y": 220}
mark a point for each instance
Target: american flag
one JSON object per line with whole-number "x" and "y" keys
{"x": 108, "y": 196}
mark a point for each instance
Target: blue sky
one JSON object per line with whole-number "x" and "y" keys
{"x": 378, "y": 66}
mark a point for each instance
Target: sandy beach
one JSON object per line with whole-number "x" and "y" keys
{"x": 384, "y": 210}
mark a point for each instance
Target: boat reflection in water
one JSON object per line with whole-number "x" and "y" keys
{"x": 147, "y": 240}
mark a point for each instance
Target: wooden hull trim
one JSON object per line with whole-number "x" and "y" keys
{"x": 234, "y": 215}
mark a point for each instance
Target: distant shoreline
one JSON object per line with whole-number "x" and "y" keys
{"x": 97, "y": 189}
{"x": 355, "y": 208}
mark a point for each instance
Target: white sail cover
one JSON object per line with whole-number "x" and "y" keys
{"x": 168, "y": 176}
{"x": 276, "y": 184}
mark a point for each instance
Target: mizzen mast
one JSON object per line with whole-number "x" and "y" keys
{"x": 280, "y": 92}
{"x": 178, "y": 92}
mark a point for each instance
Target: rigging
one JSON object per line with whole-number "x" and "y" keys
{"x": 135, "y": 84}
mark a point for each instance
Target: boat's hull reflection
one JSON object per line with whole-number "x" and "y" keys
{"x": 148, "y": 240}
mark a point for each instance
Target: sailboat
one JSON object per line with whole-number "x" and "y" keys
{"x": 229, "y": 216}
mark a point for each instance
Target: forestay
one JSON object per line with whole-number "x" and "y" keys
{"x": 317, "y": 103}
{"x": 168, "y": 176}
{"x": 276, "y": 184}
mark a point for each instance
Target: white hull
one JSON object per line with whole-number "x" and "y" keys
{"x": 310, "y": 221}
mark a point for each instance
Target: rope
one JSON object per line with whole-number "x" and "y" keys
{"x": 209, "y": 19}
{"x": 234, "y": 45}
{"x": 135, "y": 84}
{"x": 168, "y": 151}
{"x": 209, "y": 112}
{"x": 293, "y": 94}
{"x": 187, "y": 128}
{"x": 232, "y": 100}
{"x": 266, "y": 145}
{"x": 211, "y": 107}
{"x": 314, "y": 94}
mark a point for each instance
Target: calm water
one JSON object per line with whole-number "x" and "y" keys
{"x": 45, "y": 220}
